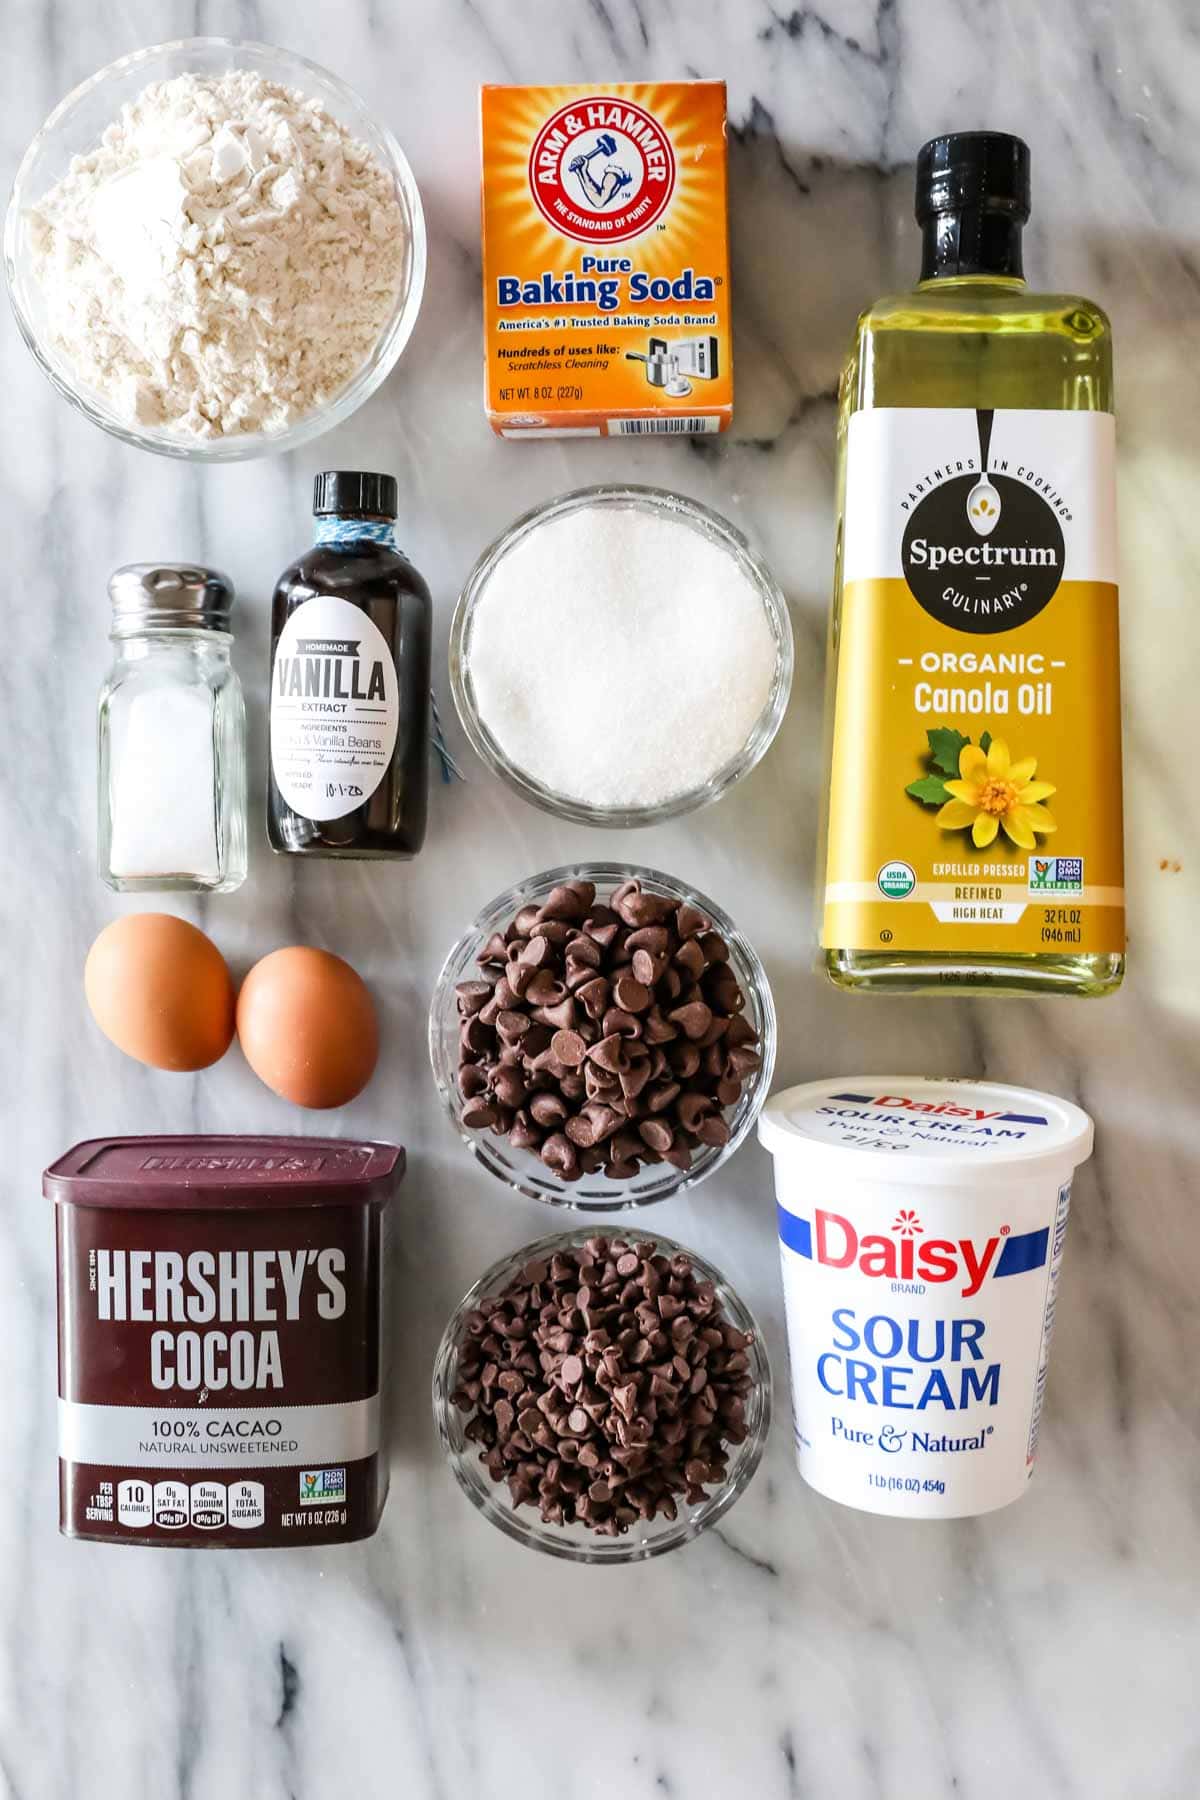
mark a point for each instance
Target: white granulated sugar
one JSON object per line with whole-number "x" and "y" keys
{"x": 620, "y": 657}
{"x": 223, "y": 261}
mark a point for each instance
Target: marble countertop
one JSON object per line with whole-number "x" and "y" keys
{"x": 800, "y": 1648}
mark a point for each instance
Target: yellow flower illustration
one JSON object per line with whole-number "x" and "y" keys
{"x": 994, "y": 791}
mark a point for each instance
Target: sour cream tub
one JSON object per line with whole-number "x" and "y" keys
{"x": 921, "y": 1230}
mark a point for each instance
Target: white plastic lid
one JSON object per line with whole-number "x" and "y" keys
{"x": 911, "y": 1128}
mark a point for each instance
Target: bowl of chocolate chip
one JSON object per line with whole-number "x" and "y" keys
{"x": 602, "y": 1398}
{"x": 602, "y": 1036}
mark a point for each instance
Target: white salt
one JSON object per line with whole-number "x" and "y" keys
{"x": 163, "y": 787}
{"x": 620, "y": 657}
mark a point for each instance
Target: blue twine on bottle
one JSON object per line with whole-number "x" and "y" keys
{"x": 335, "y": 532}
{"x": 450, "y": 769}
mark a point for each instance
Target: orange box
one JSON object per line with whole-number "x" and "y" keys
{"x": 606, "y": 306}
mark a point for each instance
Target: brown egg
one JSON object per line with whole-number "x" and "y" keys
{"x": 161, "y": 991}
{"x": 307, "y": 1027}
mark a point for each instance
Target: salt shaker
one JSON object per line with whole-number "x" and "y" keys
{"x": 171, "y": 735}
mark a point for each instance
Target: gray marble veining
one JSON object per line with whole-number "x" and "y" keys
{"x": 800, "y": 1649}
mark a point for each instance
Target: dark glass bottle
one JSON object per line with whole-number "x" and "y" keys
{"x": 350, "y": 646}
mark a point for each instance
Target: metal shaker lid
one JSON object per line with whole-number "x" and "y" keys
{"x": 170, "y": 597}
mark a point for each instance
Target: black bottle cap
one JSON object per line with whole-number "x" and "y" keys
{"x": 965, "y": 170}
{"x": 355, "y": 491}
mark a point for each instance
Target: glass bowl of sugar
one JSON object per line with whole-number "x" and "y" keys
{"x": 620, "y": 656}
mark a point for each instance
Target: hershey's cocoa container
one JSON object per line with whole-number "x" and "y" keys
{"x": 921, "y": 1232}
{"x": 220, "y": 1328}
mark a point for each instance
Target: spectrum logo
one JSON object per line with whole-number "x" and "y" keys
{"x": 831, "y": 1239}
{"x": 941, "y": 1108}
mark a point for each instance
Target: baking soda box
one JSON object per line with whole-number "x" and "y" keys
{"x": 606, "y": 307}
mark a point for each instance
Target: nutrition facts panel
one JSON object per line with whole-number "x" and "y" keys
{"x": 206, "y": 1505}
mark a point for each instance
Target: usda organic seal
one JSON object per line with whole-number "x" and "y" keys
{"x": 896, "y": 880}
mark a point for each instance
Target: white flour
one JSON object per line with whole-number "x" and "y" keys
{"x": 224, "y": 259}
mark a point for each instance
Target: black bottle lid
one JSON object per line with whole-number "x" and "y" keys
{"x": 973, "y": 168}
{"x": 972, "y": 201}
{"x": 355, "y": 491}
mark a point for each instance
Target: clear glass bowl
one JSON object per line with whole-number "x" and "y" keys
{"x": 527, "y": 1173}
{"x": 719, "y": 531}
{"x": 576, "y": 1542}
{"x": 76, "y": 125}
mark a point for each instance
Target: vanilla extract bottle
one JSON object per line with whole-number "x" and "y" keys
{"x": 973, "y": 836}
{"x": 350, "y": 654}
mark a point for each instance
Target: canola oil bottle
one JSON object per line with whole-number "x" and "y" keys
{"x": 973, "y": 835}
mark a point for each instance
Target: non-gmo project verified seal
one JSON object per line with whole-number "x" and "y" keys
{"x": 317, "y": 1486}
{"x": 1056, "y": 875}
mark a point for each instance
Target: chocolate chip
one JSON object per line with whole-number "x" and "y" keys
{"x": 689, "y": 921}
{"x": 633, "y": 1438}
{"x": 569, "y": 1048}
{"x": 693, "y": 1019}
{"x": 472, "y": 995}
{"x": 658, "y": 1134}
{"x": 590, "y": 1020}
{"x": 690, "y": 958}
{"x": 631, "y": 995}
{"x": 559, "y": 1153}
{"x": 543, "y": 988}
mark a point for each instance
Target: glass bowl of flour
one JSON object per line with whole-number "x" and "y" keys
{"x": 621, "y": 656}
{"x": 214, "y": 250}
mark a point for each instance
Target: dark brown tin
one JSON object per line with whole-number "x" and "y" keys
{"x": 220, "y": 1321}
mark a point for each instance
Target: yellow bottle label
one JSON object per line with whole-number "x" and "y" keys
{"x": 975, "y": 795}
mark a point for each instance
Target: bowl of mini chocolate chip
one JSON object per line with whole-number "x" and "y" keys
{"x": 602, "y": 1036}
{"x": 603, "y": 1398}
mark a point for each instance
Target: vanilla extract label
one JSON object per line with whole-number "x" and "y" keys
{"x": 334, "y": 709}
